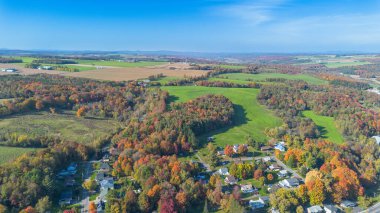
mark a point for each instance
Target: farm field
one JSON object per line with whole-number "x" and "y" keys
{"x": 244, "y": 77}
{"x": 327, "y": 126}
{"x": 126, "y": 74}
{"x": 343, "y": 64}
{"x": 120, "y": 63}
{"x": 8, "y": 154}
{"x": 65, "y": 125}
{"x": 251, "y": 117}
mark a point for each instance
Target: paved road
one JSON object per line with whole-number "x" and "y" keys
{"x": 85, "y": 194}
{"x": 207, "y": 166}
{"x": 373, "y": 209}
{"x": 295, "y": 174}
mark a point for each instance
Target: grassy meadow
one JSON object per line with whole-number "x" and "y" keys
{"x": 251, "y": 118}
{"x": 8, "y": 154}
{"x": 262, "y": 77}
{"x": 65, "y": 125}
{"x": 326, "y": 125}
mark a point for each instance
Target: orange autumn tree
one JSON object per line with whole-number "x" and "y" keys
{"x": 346, "y": 184}
{"x": 228, "y": 151}
{"x": 315, "y": 186}
{"x": 92, "y": 207}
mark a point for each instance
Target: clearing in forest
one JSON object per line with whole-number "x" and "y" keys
{"x": 326, "y": 126}
{"x": 251, "y": 118}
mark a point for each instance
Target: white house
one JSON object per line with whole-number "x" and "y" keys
{"x": 315, "y": 209}
{"x": 247, "y": 188}
{"x": 283, "y": 173}
{"x": 289, "y": 183}
{"x": 330, "y": 209}
{"x": 9, "y": 70}
{"x": 260, "y": 203}
{"x": 223, "y": 171}
{"x": 267, "y": 159}
{"x": 377, "y": 139}
{"x": 235, "y": 148}
{"x": 107, "y": 183}
{"x": 280, "y": 147}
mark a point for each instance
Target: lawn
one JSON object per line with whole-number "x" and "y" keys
{"x": 10, "y": 153}
{"x": 64, "y": 125}
{"x": 326, "y": 125}
{"x": 251, "y": 118}
{"x": 120, "y": 63}
{"x": 261, "y": 77}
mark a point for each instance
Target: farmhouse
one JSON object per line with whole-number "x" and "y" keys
{"x": 289, "y": 183}
{"x": 230, "y": 180}
{"x": 315, "y": 209}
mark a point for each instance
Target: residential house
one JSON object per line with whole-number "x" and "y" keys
{"x": 220, "y": 153}
{"x": 267, "y": 159}
{"x": 230, "y": 180}
{"x": 223, "y": 171}
{"x": 315, "y": 209}
{"x": 260, "y": 203}
{"x": 289, "y": 183}
{"x": 247, "y": 188}
{"x": 99, "y": 177}
{"x": 283, "y": 173}
{"x": 107, "y": 183}
{"x": 273, "y": 188}
{"x": 275, "y": 167}
{"x": 104, "y": 167}
{"x": 280, "y": 147}
{"x": 102, "y": 196}
{"x": 266, "y": 148}
{"x": 106, "y": 158}
{"x": 235, "y": 148}
{"x": 347, "y": 204}
{"x": 377, "y": 139}
{"x": 330, "y": 209}
{"x": 264, "y": 199}
{"x": 66, "y": 198}
{"x": 256, "y": 204}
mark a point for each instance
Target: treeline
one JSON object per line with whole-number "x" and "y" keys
{"x": 53, "y": 61}
{"x": 226, "y": 84}
{"x": 9, "y": 60}
{"x": 105, "y": 99}
{"x": 351, "y": 84}
{"x": 32, "y": 176}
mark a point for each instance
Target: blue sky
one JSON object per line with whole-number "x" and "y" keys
{"x": 192, "y": 25}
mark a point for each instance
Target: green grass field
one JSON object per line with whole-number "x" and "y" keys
{"x": 66, "y": 126}
{"x": 261, "y": 77}
{"x": 120, "y": 64}
{"x": 10, "y": 153}
{"x": 251, "y": 117}
{"x": 343, "y": 64}
{"x": 326, "y": 125}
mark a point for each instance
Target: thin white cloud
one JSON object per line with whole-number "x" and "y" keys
{"x": 252, "y": 12}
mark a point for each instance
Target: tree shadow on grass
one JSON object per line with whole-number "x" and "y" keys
{"x": 239, "y": 118}
{"x": 322, "y": 131}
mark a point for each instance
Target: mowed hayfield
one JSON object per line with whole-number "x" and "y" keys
{"x": 8, "y": 154}
{"x": 262, "y": 77}
{"x": 326, "y": 126}
{"x": 344, "y": 64}
{"x": 251, "y": 118}
{"x": 64, "y": 125}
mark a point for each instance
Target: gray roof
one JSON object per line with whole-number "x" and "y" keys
{"x": 315, "y": 209}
